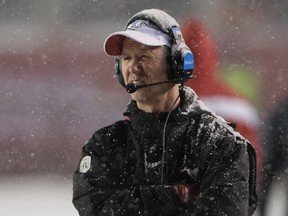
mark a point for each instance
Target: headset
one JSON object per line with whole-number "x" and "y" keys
{"x": 180, "y": 59}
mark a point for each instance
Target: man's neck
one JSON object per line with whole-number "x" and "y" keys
{"x": 164, "y": 103}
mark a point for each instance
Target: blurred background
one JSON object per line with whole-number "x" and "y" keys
{"x": 57, "y": 85}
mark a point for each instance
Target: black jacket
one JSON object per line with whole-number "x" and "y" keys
{"x": 135, "y": 163}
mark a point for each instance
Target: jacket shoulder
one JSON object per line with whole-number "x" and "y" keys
{"x": 116, "y": 127}
{"x": 110, "y": 134}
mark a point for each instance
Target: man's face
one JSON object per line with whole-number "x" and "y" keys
{"x": 144, "y": 64}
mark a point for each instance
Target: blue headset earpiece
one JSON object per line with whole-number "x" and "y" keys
{"x": 182, "y": 57}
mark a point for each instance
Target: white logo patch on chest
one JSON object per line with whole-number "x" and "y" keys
{"x": 85, "y": 164}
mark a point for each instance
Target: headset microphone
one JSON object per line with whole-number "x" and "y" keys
{"x": 133, "y": 87}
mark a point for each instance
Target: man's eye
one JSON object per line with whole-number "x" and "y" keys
{"x": 145, "y": 57}
{"x": 126, "y": 58}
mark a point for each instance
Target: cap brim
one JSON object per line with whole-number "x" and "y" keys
{"x": 113, "y": 43}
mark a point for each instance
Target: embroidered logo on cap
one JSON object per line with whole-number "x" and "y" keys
{"x": 85, "y": 164}
{"x": 138, "y": 24}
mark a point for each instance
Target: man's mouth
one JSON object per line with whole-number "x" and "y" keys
{"x": 137, "y": 82}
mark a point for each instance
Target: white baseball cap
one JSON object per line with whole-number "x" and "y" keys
{"x": 142, "y": 31}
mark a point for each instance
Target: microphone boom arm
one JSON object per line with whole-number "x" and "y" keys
{"x": 133, "y": 87}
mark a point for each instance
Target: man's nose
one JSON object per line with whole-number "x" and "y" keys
{"x": 135, "y": 66}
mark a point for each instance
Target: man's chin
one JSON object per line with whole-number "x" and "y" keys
{"x": 140, "y": 95}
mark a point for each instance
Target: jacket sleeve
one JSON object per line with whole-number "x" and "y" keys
{"x": 102, "y": 187}
{"x": 227, "y": 176}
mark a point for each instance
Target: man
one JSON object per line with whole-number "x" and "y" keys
{"x": 171, "y": 156}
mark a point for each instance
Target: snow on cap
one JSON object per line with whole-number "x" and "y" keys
{"x": 141, "y": 30}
